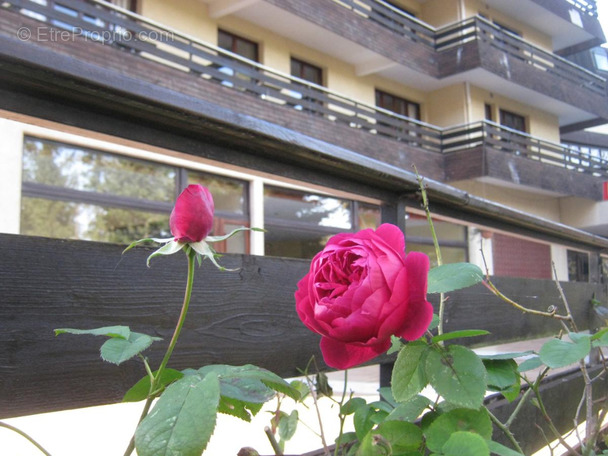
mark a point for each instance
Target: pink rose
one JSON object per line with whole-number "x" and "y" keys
{"x": 362, "y": 289}
{"x": 192, "y": 217}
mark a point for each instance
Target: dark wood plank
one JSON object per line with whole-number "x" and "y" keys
{"x": 235, "y": 318}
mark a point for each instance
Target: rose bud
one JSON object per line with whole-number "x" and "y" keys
{"x": 192, "y": 217}
{"x": 361, "y": 290}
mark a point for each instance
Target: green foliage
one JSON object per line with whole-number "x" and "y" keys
{"x": 398, "y": 436}
{"x": 465, "y": 444}
{"x": 459, "y": 334}
{"x": 560, "y": 353}
{"x": 409, "y": 377}
{"x": 123, "y": 344}
{"x": 410, "y": 410}
{"x": 183, "y": 419}
{"x": 457, "y": 374}
{"x": 457, "y": 420}
{"x": 453, "y": 276}
{"x": 141, "y": 389}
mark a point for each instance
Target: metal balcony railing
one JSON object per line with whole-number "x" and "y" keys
{"x": 478, "y": 28}
{"x": 586, "y": 6}
{"x": 498, "y": 137}
{"x": 101, "y": 22}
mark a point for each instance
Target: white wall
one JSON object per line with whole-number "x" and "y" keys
{"x": 11, "y": 147}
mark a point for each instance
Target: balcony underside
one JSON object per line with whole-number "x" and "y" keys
{"x": 488, "y": 163}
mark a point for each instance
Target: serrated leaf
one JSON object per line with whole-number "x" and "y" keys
{"x": 502, "y": 373}
{"x": 457, "y": 374}
{"x": 121, "y": 332}
{"x": 250, "y": 383}
{"x": 117, "y": 351}
{"x": 501, "y": 450}
{"x": 400, "y": 435}
{"x": 465, "y": 444}
{"x": 288, "y": 424}
{"x": 530, "y": 363}
{"x": 511, "y": 355}
{"x": 459, "y": 334}
{"x": 141, "y": 389}
{"x": 363, "y": 421}
{"x": 352, "y": 405}
{"x": 409, "y": 410}
{"x": 453, "y": 276}
{"x": 560, "y": 353}
{"x": 408, "y": 377}
{"x": 237, "y": 408}
{"x": 182, "y": 420}
{"x": 457, "y": 420}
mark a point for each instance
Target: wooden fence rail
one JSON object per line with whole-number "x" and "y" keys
{"x": 235, "y": 317}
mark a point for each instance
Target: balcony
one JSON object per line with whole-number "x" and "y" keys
{"x": 404, "y": 48}
{"x": 144, "y": 49}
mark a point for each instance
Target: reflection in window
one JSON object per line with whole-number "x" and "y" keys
{"x": 578, "y": 266}
{"x": 298, "y": 224}
{"x": 79, "y": 193}
{"x": 451, "y": 236}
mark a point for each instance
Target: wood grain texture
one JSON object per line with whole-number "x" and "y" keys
{"x": 235, "y": 317}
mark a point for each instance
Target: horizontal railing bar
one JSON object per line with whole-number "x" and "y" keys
{"x": 234, "y": 71}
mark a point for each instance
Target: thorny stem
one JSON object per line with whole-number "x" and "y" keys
{"x": 313, "y": 394}
{"x": 425, "y": 204}
{"x": 25, "y": 436}
{"x": 506, "y": 431}
{"x": 155, "y": 384}
{"x": 342, "y": 417}
{"x": 558, "y": 435}
{"x": 490, "y": 286}
{"x": 273, "y": 442}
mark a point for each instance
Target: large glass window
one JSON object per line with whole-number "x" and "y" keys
{"x": 298, "y": 224}
{"x": 452, "y": 239}
{"x": 578, "y": 266}
{"x": 79, "y": 193}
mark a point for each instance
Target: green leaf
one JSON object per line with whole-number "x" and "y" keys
{"x": 168, "y": 249}
{"x": 182, "y": 420}
{"x": 352, "y": 405}
{"x": 501, "y": 450}
{"x": 457, "y": 420}
{"x": 396, "y": 345}
{"x": 502, "y": 373}
{"x": 118, "y": 351}
{"x": 409, "y": 410}
{"x": 121, "y": 332}
{"x": 288, "y": 425}
{"x": 559, "y": 353}
{"x": 434, "y": 322}
{"x": 460, "y": 334}
{"x": 363, "y": 421}
{"x": 239, "y": 409}
{"x": 512, "y": 355}
{"x": 465, "y": 444}
{"x": 529, "y": 364}
{"x": 400, "y": 435}
{"x": 141, "y": 389}
{"x": 453, "y": 276}
{"x": 458, "y": 375}
{"x": 408, "y": 377}
{"x": 249, "y": 383}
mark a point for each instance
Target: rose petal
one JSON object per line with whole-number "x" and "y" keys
{"x": 340, "y": 355}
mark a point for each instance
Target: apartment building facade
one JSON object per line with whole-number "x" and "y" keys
{"x": 308, "y": 118}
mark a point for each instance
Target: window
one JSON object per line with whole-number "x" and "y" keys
{"x": 238, "y": 45}
{"x": 394, "y": 127}
{"x": 512, "y": 120}
{"x": 488, "y": 112}
{"x": 79, "y": 193}
{"x": 600, "y": 58}
{"x": 451, "y": 236}
{"x": 578, "y": 266}
{"x": 298, "y": 224}
{"x": 307, "y": 72}
{"x": 74, "y": 192}
{"x": 245, "y": 48}
{"x": 397, "y": 105}
{"x": 130, "y": 5}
